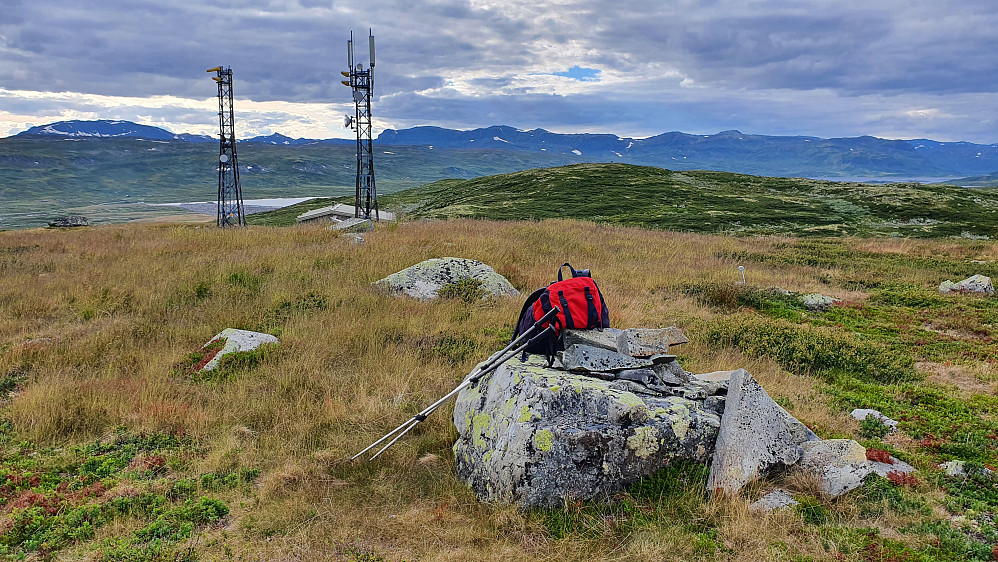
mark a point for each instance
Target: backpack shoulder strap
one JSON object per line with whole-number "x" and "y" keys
{"x": 526, "y": 306}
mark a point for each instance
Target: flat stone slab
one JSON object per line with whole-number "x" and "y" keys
{"x": 777, "y": 499}
{"x": 537, "y": 436}
{"x": 840, "y": 464}
{"x": 896, "y": 465}
{"x": 716, "y": 376}
{"x": 355, "y": 224}
{"x": 236, "y": 340}
{"x": 862, "y": 413}
{"x": 605, "y": 338}
{"x": 586, "y": 358}
{"x": 424, "y": 279}
{"x": 756, "y": 436}
{"x": 645, "y": 342}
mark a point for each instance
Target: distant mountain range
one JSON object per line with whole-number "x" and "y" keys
{"x": 727, "y": 151}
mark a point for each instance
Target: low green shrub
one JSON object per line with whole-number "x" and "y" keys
{"x": 469, "y": 290}
{"x": 805, "y": 350}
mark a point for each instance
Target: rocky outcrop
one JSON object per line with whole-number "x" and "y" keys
{"x": 235, "y": 340}
{"x": 980, "y": 284}
{"x": 70, "y": 221}
{"x": 599, "y": 420}
{"x": 534, "y": 435}
{"x": 425, "y": 279}
{"x": 756, "y": 436}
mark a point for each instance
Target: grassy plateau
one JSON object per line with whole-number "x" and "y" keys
{"x": 112, "y": 449}
{"x": 712, "y": 202}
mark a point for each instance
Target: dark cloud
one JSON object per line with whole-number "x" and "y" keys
{"x": 683, "y": 64}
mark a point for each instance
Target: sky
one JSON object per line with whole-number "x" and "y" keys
{"x": 635, "y": 68}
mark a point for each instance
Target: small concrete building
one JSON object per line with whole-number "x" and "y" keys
{"x": 337, "y": 213}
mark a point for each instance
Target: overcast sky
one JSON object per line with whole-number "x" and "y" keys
{"x": 889, "y": 68}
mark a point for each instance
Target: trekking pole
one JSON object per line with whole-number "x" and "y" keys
{"x": 467, "y": 382}
{"x": 474, "y": 375}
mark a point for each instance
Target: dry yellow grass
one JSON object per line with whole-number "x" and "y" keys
{"x": 123, "y": 304}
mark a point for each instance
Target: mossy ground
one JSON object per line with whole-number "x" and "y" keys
{"x": 254, "y": 465}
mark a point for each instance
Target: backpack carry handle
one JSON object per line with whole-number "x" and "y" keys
{"x": 575, "y": 272}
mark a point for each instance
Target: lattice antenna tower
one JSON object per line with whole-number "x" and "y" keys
{"x": 230, "y": 195}
{"x": 361, "y": 82}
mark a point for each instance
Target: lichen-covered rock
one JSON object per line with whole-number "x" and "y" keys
{"x": 974, "y": 284}
{"x": 839, "y": 464}
{"x": 424, "y": 279}
{"x": 534, "y": 436}
{"x": 236, "y": 340}
{"x": 756, "y": 436}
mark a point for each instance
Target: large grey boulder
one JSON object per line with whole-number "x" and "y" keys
{"x": 424, "y": 279}
{"x": 756, "y": 436}
{"x": 839, "y": 464}
{"x": 535, "y": 436}
{"x": 974, "y": 284}
{"x": 236, "y": 340}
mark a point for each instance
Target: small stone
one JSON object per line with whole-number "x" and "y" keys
{"x": 586, "y": 358}
{"x": 863, "y": 413}
{"x": 605, "y": 338}
{"x": 817, "y": 302}
{"x": 236, "y": 340}
{"x": 777, "y": 499}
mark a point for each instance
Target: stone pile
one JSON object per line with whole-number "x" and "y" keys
{"x": 616, "y": 406}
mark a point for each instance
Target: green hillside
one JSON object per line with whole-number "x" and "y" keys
{"x": 712, "y": 202}
{"x": 116, "y": 179}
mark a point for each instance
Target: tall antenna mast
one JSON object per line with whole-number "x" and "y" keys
{"x": 361, "y": 82}
{"x": 230, "y": 195}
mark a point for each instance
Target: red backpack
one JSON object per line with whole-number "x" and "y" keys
{"x": 581, "y": 307}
